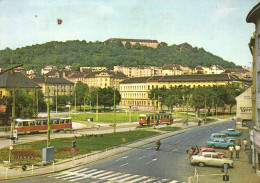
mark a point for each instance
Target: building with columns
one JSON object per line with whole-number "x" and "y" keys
{"x": 135, "y": 91}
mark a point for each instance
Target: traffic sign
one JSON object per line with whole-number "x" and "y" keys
{"x": 72, "y": 150}
{"x": 11, "y": 147}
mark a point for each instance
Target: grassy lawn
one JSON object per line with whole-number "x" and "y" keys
{"x": 31, "y": 152}
{"x": 169, "y": 128}
{"x": 107, "y": 116}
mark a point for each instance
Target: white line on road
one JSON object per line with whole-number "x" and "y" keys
{"x": 151, "y": 161}
{"x": 142, "y": 157}
{"x": 174, "y": 150}
{"x": 122, "y": 158}
{"x": 123, "y": 165}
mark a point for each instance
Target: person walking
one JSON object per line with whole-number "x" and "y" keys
{"x": 245, "y": 144}
{"x": 231, "y": 150}
{"x": 237, "y": 147}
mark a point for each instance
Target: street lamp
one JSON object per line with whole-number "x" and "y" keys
{"x": 130, "y": 117}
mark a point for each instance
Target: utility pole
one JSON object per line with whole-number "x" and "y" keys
{"x": 37, "y": 101}
{"x": 75, "y": 101}
{"x": 48, "y": 119}
{"x": 84, "y": 105}
{"x": 97, "y": 109}
{"x": 187, "y": 103}
{"x": 205, "y": 110}
{"x": 56, "y": 99}
{"x": 114, "y": 111}
{"x": 13, "y": 114}
{"x": 154, "y": 111}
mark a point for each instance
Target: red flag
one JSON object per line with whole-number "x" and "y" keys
{"x": 59, "y": 21}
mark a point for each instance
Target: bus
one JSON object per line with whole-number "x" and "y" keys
{"x": 160, "y": 118}
{"x": 29, "y": 125}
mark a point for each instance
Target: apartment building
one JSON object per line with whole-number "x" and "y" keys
{"x": 254, "y": 46}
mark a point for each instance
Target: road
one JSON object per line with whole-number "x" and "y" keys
{"x": 143, "y": 164}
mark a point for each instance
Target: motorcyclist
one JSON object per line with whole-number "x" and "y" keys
{"x": 158, "y": 144}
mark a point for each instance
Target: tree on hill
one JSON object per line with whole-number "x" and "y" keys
{"x": 82, "y": 53}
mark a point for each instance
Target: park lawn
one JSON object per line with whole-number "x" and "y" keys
{"x": 31, "y": 152}
{"x": 169, "y": 128}
{"x": 108, "y": 117}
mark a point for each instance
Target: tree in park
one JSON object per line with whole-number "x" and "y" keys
{"x": 42, "y": 106}
{"x": 24, "y": 104}
{"x": 105, "y": 97}
{"x": 80, "y": 91}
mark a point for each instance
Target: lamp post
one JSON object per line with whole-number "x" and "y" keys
{"x": 48, "y": 119}
{"x": 114, "y": 111}
{"x": 97, "y": 109}
{"x": 130, "y": 117}
{"x": 154, "y": 111}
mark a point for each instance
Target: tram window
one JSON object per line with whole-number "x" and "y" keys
{"x": 44, "y": 122}
{"x": 55, "y": 122}
{"x": 25, "y": 123}
{"x": 19, "y": 124}
{"x": 62, "y": 121}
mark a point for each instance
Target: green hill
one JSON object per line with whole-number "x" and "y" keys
{"x": 81, "y": 53}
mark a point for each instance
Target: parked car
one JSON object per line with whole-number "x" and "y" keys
{"x": 221, "y": 136}
{"x": 219, "y": 143}
{"x": 230, "y": 132}
{"x": 210, "y": 159}
{"x": 209, "y": 149}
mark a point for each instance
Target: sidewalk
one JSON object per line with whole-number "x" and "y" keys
{"x": 6, "y": 173}
{"x": 241, "y": 173}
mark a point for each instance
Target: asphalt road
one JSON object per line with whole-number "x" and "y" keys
{"x": 143, "y": 164}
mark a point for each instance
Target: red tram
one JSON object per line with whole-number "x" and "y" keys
{"x": 40, "y": 124}
{"x": 160, "y": 118}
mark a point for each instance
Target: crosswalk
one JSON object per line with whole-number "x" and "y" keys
{"x": 98, "y": 176}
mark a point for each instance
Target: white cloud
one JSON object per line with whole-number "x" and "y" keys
{"x": 106, "y": 10}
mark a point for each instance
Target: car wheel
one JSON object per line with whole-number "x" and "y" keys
{"x": 201, "y": 164}
{"x": 212, "y": 146}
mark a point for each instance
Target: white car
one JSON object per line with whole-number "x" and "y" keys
{"x": 211, "y": 159}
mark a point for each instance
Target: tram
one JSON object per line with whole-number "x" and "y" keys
{"x": 29, "y": 125}
{"x": 160, "y": 118}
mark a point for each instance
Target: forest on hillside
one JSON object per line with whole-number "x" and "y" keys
{"x": 81, "y": 53}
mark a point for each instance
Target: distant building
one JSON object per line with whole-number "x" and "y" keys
{"x": 143, "y": 42}
{"x": 10, "y": 81}
{"x": 85, "y": 69}
{"x": 135, "y": 91}
{"x": 57, "y": 86}
{"x": 139, "y": 72}
{"x": 47, "y": 69}
{"x": 244, "y": 109}
{"x": 216, "y": 69}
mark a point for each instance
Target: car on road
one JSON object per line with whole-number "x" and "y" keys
{"x": 231, "y": 132}
{"x": 221, "y": 136}
{"x": 209, "y": 149}
{"x": 221, "y": 143}
{"x": 210, "y": 159}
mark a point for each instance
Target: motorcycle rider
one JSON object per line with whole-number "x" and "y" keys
{"x": 158, "y": 144}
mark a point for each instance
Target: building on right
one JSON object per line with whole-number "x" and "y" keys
{"x": 254, "y": 45}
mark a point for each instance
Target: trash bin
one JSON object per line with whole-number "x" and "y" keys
{"x": 89, "y": 119}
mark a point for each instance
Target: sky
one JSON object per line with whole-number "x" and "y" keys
{"x": 218, "y": 26}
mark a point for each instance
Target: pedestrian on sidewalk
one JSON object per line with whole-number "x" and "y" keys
{"x": 231, "y": 150}
{"x": 237, "y": 147}
{"x": 239, "y": 142}
{"x": 245, "y": 144}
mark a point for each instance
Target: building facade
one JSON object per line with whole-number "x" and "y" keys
{"x": 254, "y": 45}
{"x": 135, "y": 91}
{"x": 143, "y": 42}
{"x": 57, "y": 86}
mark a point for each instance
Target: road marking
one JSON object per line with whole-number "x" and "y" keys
{"x": 115, "y": 174}
{"x": 101, "y": 175}
{"x": 174, "y": 181}
{"x": 131, "y": 177}
{"x": 169, "y": 145}
{"x": 138, "y": 179}
{"x": 122, "y": 158}
{"x": 123, "y": 165}
{"x": 151, "y": 161}
{"x": 142, "y": 157}
{"x": 124, "y": 175}
{"x": 174, "y": 150}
